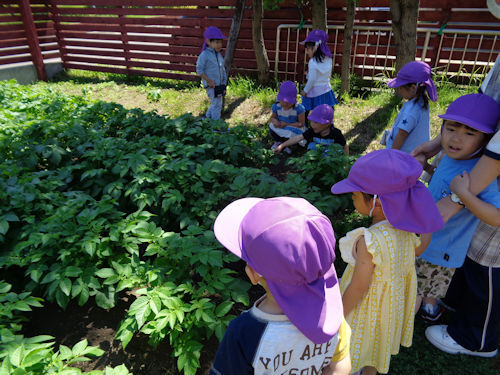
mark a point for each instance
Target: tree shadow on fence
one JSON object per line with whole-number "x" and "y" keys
{"x": 371, "y": 127}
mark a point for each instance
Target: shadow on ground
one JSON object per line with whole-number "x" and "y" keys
{"x": 371, "y": 127}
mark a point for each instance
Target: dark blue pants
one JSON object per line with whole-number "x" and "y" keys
{"x": 475, "y": 294}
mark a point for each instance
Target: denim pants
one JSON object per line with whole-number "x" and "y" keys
{"x": 215, "y": 108}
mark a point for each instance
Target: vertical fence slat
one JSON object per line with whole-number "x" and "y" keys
{"x": 32, "y": 37}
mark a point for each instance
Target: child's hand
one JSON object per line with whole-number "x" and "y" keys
{"x": 278, "y": 149}
{"x": 283, "y": 124}
{"x": 211, "y": 83}
{"x": 460, "y": 183}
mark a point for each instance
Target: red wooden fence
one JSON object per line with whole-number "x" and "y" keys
{"x": 14, "y": 44}
{"x": 162, "y": 38}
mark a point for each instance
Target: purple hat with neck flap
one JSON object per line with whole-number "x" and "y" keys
{"x": 393, "y": 175}
{"x": 322, "y": 114}
{"x": 320, "y": 38}
{"x": 292, "y": 245}
{"x": 288, "y": 92}
{"x": 417, "y": 72}
{"x": 478, "y": 111}
{"x": 211, "y": 32}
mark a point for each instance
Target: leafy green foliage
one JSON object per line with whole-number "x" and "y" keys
{"x": 96, "y": 200}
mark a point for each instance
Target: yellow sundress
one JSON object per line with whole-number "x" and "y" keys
{"x": 383, "y": 320}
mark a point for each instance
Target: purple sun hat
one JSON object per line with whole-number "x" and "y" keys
{"x": 287, "y": 92}
{"x": 292, "y": 245}
{"x": 478, "y": 111}
{"x": 393, "y": 176}
{"x": 322, "y": 114}
{"x": 320, "y": 37}
{"x": 417, "y": 72}
{"x": 211, "y": 32}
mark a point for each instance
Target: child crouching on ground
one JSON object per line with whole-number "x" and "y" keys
{"x": 468, "y": 124}
{"x": 298, "y": 325}
{"x": 321, "y": 131}
{"x": 288, "y": 116}
{"x": 379, "y": 285}
{"x": 210, "y": 67}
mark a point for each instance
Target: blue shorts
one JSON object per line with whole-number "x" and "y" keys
{"x": 326, "y": 98}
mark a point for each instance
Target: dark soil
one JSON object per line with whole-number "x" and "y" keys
{"x": 99, "y": 327}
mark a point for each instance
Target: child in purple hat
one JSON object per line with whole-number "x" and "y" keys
{"x": 321, "y": 131}
{"x": 469, "y": 123}
{"x": 319, "y": 70}
{"x": 411, "y": 127}
{"x": 379, "y": 285}
{"x": 288, "y": 116}
{"x": 210, "y": 67}
{"x": 297, "y": 326}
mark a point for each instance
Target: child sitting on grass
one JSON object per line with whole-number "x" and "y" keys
{"x": 297, "y": 327}
{"x": 468, "y": 124}
{"x": 321, "y": 131}
{"x": 288, "y": 116}
{"x": 379, "y": 285}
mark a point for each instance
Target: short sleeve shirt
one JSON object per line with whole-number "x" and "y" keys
{"x": 334, "y": 134}
{"x": 260, "y": 343}
{"x": 414, "y": 119}
{"x": 290, "y": 115}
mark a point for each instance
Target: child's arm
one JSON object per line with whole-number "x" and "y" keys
{"x": 274, "y": 120}
{"x": 488, "y": 213}
{"x": 346, "y": 149}
{"x": 289, "y": 142}
{"x": 425, "y": 240}
{"x": 211, "y": 82}
{"x": 342, "y": 367}
{"x": 483, "y": 173}
{"x": 400, "y": 139}
{"x": 301, "y": 121}
{"x": 361, "y": 278}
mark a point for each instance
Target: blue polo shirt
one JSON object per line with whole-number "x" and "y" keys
{"x": 449, "y": 246}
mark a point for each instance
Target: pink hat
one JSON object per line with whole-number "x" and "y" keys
{"x": 292, "y": 245}
{"x": 320, "y": 37}
{"x": 417, "y": 72}
{"x": 478, "y": 111}
{"x": 322, "y": 114}
{"x": 288, "y": 92}
{"x": 393, "y": 175}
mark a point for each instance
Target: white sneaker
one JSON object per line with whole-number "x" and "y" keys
{"x": 439, "y": 337}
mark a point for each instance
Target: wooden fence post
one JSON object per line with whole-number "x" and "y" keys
{"x": 31, "y": 35}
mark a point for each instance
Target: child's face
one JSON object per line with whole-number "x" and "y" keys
{"x": 361, "y": 204}
{"x": 285, "y": 105}
{"x": 216, "y": 44}
{"x": 309, "y": 49}
{"x": 459, "y": 141}
{"x": 408, "y": 92}
{"x": 317, "y": 127}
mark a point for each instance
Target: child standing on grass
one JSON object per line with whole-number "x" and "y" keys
{"x": 288, "y": 116}
{"x": 319, "y": 70}
{"x": 468, "y": 124}
{"x": 411, "y": 127}
{"x": 321, "y": 131}
{"x": 210, "y": 67}
{"x": 297, "y": 326}
{"x": 379, "y": 284}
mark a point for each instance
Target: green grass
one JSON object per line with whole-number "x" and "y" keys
{"x": 362, "y": 117}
